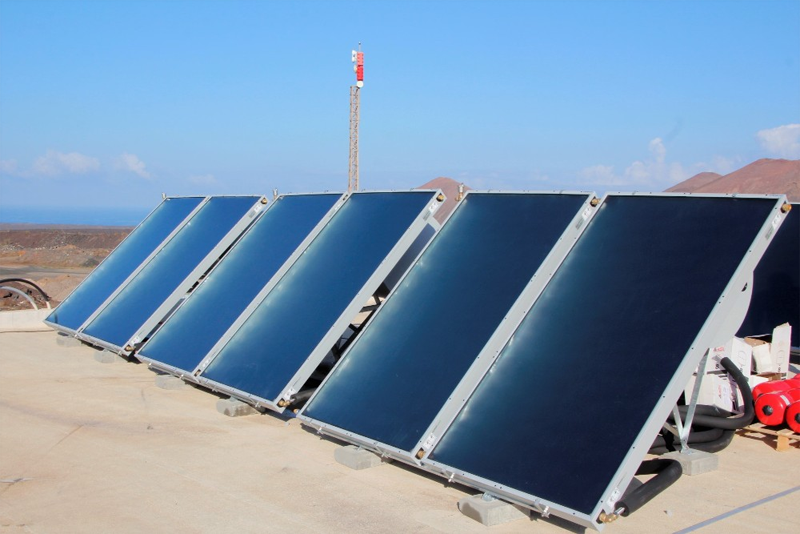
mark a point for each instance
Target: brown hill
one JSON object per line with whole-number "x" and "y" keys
{"x": 450, "y": 189}
{"x": 59, "y": 246}
{"x": 765, "y": 176}
{"x": 695, "y": 182}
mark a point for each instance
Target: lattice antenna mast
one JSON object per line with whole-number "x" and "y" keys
{"x": 355, "y": 100}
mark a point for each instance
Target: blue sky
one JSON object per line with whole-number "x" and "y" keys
{"x": 112, "y": 103}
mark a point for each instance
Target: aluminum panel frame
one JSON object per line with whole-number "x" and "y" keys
{"x": 488, "y": 353}
{"x": 74, "y": 333}
{"x": 717, "y": 319}
{"x": 191, "y": 374}
{"x": 169, "y": 304}
{"x": 323, "y": 347}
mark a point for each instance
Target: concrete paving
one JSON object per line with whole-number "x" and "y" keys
{"x": 92, "y": 448}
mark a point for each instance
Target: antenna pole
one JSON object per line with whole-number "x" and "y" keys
{"x": 355, "y": 101}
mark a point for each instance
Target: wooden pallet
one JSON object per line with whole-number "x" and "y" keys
{"x": 784, "y": 436}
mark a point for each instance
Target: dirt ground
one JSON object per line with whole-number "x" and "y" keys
{"x": 96, "y": 447}
{"x": 55, "y": 258}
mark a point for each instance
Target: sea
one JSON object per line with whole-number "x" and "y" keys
{"x": 86, "y": 216}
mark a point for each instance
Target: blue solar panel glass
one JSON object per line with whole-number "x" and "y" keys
{"x": 129, "y": 310}
{"x": 190, "y": 333}
{"x": 125, "y": 259}
{"x": 776, "y": 283}
{"x": 269, "y": 348}
{"x": 561, "y": 407}
{"x": 399, "y": 372}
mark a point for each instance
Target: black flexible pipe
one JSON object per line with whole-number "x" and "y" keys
{"x": 670, "y": 442}
{"x": 45, "y": 296}
{"x": 302, "y": 396}
{"x": 716, "y": 445}
{"x": 728, "y": 423}
{"x": 702, "y": 409}
{"x": 714, "y": 440}
{"x": 666, "y": 471}
{"x": 720, "y": 425}
{"x": 741, "y": 421}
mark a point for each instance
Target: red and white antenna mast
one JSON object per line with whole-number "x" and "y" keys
{"x": 355, "y": 100}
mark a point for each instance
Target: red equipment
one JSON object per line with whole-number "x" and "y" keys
{"x": 776, "y": 386}
{"x": 771, "y": 407}
{"x": 793, "y": 416}
{"x": 360, "y": 66}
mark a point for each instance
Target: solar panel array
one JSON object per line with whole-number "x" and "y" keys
{"x": 112, "y": 272}
{"x": 533, "y": 349}
{"x": 426, "y": 336}
{"x": 179, "y": 345}
{"x": 277, "y": 344}
{"x": 562, "y": 409}
{"x": 149, "y": 294}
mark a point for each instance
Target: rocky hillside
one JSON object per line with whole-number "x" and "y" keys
{"x": 765, "y": 176}
{"x": 58, "y": 246}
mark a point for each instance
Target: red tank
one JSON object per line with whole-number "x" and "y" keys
{"x": 793, "y": 416}
{"x": 771, "y": 407}
{"x": 776, "y": 386}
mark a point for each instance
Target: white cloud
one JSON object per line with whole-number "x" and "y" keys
{"x": 658, "y": 150}
{"x": 132, "y": 163}
{"x": 651, "y": 174}
{"x": 54, "y": 163}
{"x": 783, "y": 141}
{"x": 8, "y": 166}
{"x": 203, "y": 179}
{"x": 600, "y": 175}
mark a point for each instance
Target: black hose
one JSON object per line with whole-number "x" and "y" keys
{"x": 302, "y": 396}
{"x": 716, "y": 445}
{"x": 670, "y": 441}
{"x": 717, "y": 425}
{"x": 666, "y": 473}
{"x": 728, "y": 423}
{"x": 45, "y": 296}
{"x": 702, "y": 409}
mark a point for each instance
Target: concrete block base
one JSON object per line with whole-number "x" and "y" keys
{"x": 24, "y": 320}
{"x": 356, "y": 458}
{"x": 63, "y": 340}
{"x": 694, "y": 462}
{"x": 169, "y": 382}
{"x": 106, "y": 356}
{"x": 491, "y": 511}
{"x": 234, "y": 407}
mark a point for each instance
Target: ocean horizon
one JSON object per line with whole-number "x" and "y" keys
{"x": 88, "y": 216}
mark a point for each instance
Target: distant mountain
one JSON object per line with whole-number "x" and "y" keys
{"x": 765, "y": 176}
{"x": 695, "y": 182}
{"x": 450, "y": 189}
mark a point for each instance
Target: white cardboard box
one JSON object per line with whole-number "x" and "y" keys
{"x": 737, "y": 350}
{"x": 762, "y": 358}
{"x": 718, "y": 387}
{"x": 771, "y": 353}
{"x": 781, "y": 347}
{"x": 717, "y": 390}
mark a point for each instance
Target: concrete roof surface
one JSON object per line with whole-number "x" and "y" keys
{"x": 92, "y": 447}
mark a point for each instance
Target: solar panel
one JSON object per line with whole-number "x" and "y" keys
{"x": 258, "y": 257}
{"x": 151, "y": 293}
{"x": 123, "y": 261}
{"x": 776, "y": 283}
{"x": 393, "y": 380}
{"x": 283, "y": 336}
{"x": 566, "y": 413}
